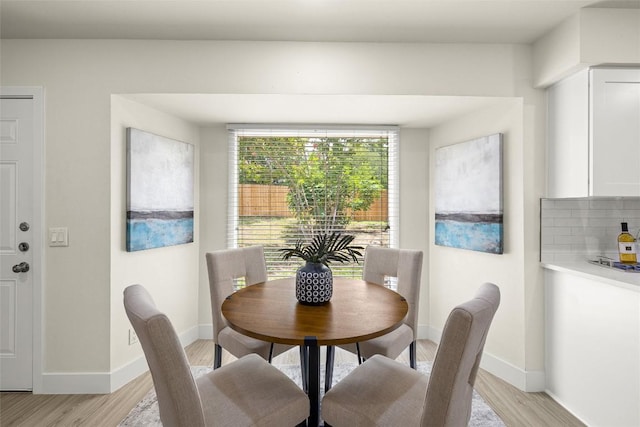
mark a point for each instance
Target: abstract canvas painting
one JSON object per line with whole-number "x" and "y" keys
{"x": 468, "y": 195}
{"x": 160, "y": 174}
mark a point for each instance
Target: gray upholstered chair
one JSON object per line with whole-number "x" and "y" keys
{"x": 246, "y": 392}
{"x": 406, "y": 266}
{"x": 225, "y": 266}
{"x": 383, "y": 392}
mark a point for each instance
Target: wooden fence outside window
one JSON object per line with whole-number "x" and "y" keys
{"x": 271, "y": 201}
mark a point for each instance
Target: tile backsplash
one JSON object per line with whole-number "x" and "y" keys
{"x": 577, "y": 229}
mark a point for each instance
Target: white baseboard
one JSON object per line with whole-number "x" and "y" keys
{"x": 529, "y": 381}
{"x": 205, "y": 332}
{"x": 128, "y": 372}
{"x": 190, "y": 336}
{"x": 103, "y": 382}
{"x": 561, "y": 403}
{"x": 108, "y": 382}
{"x": 76, "y": 383}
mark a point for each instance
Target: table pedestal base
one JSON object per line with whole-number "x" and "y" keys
{"x": 310, "y": 358}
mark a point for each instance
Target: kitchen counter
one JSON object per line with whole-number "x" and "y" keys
{"x": 592, "y": 319}
{"x": 613, "y": 276}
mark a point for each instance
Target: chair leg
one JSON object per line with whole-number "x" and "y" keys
{"x": 304, "y": 367}
{"x": 328, "y": 370}
{"x": 270, "y": 353}
{"x": 360, "y": 358}
{"x": 412, "y": 355}
{"x": 217, "y": 356}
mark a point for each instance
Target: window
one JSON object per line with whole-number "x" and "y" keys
{"x": 288, "y": 183}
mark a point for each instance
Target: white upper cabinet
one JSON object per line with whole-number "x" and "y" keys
{"x": 615, "y": 132}
{"x": 568, "y": 137}
{"x": 594, "y": 134}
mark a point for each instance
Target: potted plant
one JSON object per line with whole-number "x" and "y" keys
{"x": 314, "y": 280}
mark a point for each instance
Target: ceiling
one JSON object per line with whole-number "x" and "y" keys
{"x": 384, "y": 21}
{"x": 478, "y": 21}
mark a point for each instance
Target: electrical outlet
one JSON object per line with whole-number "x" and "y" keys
{"x": 133, "y": 338}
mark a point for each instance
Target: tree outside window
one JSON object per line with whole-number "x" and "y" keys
{"x": 302, "y": 185}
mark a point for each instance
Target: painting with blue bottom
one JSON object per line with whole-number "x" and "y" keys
{"x": 160, "y": 191}
{"x": 468, "y": 195}
{"x": 475, "y": 235}
{"x": 149, "y": 233}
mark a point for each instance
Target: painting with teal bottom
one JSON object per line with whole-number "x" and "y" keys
{"x": 160, "y": 192}
{"x": 468, "y": 195}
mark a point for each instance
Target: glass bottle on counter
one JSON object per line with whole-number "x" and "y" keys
{"x": 627, "y": 246}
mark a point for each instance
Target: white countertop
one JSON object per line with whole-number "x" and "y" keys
{"x": 624, "y": 279}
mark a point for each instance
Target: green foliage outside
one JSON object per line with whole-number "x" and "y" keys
{"x": 327, "y": 177}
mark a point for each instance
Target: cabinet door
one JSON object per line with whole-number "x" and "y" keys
{"x": 614, "y": 155}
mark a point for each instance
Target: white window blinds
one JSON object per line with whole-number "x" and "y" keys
{"x": 288, "y": 183}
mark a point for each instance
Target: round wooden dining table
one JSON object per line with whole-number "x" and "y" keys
{"x": 357, "y": 311}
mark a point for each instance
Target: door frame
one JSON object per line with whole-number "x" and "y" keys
{"x": 38, "y": 267}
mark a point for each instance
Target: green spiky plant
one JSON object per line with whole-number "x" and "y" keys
{"x": 325, "y": 248}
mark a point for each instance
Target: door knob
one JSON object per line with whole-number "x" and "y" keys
{"x": 23, "y": 267}
{"x": 23, "y": 247}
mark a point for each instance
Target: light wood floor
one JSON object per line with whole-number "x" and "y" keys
{"x": 516, "y": 408}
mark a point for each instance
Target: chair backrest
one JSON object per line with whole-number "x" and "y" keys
{"x": 227, "y": 265}
{"x": 406, "y": 266}
{"x": 178, "y": 396}
{"x": 449, "y": 394}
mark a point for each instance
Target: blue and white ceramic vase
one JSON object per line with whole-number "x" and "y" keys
{"x": 314, "y": 284}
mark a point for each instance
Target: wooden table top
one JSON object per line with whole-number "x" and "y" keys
{"x": 358, "y": 311}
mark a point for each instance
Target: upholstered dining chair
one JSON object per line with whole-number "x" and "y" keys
{"x": 406, "y": 266}
{"x": 224, "y": 267}
{"x": 246, "y": 392}
{"x": 383, "y": 392}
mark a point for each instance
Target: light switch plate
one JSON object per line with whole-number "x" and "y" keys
{"x": 58, "y": 236}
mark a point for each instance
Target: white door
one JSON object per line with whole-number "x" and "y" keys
{"x": 17, "y": 228}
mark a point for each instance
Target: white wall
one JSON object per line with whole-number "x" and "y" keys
{"x": 514, "y": 349}
{"x": 414, "y": 208}
{"x": 84, "y": 184}
{"x": 171, "y": 274}
{"x": 591, "y": 37}
{"x": 214, "y": 166}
